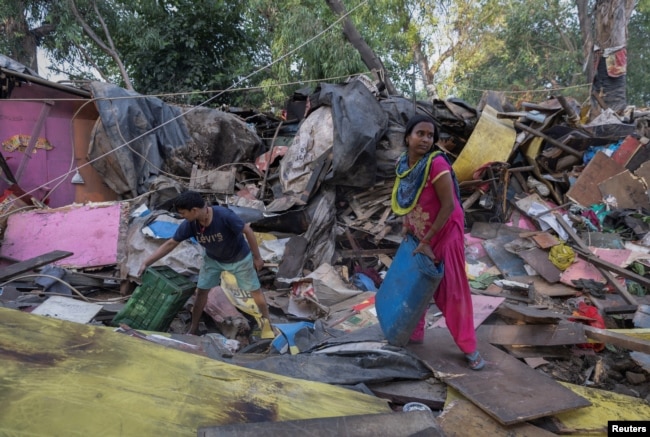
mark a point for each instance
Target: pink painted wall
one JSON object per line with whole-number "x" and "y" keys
{"x": 91, "y": 232}
{"x": 67, "y": 128}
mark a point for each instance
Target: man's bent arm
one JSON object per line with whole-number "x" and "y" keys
{"x": 163, "y": 250}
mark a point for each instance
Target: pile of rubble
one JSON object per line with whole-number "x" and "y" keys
{"x": 557, "y": 246}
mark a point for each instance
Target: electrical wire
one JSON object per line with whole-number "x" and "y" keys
{"x": 193, "y": 108}
{"x": 81, "y": 295}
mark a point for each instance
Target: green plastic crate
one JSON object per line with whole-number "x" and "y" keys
{"x": 154, "y": 304}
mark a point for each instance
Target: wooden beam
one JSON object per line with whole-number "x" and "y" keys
{"x": 534, "y": 335}
{"x": 32, "y": 263}
{"x": 548, "y": 139}
{"x": 616, "y": 339}
{"x": 367, "y": 253}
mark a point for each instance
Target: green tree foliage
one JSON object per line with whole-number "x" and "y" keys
{"x": 539, "y": 53}
{"x": 168, "y": 47}
{"x": 465, "y": 38}
{"x": 638, "y": 52}
{"x": 189, "y": 50}
{"x": 306, "y": 45}
{"x": 172, "y": 46}
{"x": 189, "y": 45}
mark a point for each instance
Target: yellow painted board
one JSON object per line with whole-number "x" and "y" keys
{"x": 492, "y": 140}
{"x": 605, "y": 405}
{"x": 642, "y": 333}
{"x": 60, "y": 378}
{"x": 533, "y": 149}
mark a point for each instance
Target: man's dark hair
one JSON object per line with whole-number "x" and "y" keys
{"x": 188, "y": 200}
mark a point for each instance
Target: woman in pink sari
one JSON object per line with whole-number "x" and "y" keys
{"x": 426, "y": 194}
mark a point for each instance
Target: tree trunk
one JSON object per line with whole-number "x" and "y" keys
{"x": 586, "y": 29}
{"x": 427, "y": 75}
{"x": 24, "y": 48}
{"x": 368, "y": 56}
{"x": 610, "y": 55}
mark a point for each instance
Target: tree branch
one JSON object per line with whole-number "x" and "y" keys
{"x": 97, "y": 40}
{"x": 368, "y": 56}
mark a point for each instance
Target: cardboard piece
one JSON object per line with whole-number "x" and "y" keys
{"x": 600, "y": 168}
{"x": 483, "y": 307}
{"x": 65, "y": 308}
{"x": 629, "y": 190}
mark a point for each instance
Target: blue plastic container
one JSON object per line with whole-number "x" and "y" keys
{"x": 406, "y": 291}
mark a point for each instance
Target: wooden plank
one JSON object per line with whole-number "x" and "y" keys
{"x": 32, "y": 263}
{"x": 543, "y": 287}
{"x": 506, "y": 389}
{"x": 508, "y": 263}
{"x": 412, "y": 423}
{"x": 430, "y": 392}
{"x": 600, "y": 168}
{"x": 538, "y": 260}
{"x": 486, "y": 231}
{"x": 530, "y": 315}
{"x": 641, "y": 156}
{"x": 496, "y": 291}
{"x": 621, "y": 309}
{"x": 367, "y": 253}
{"x": 461, "y": 418}
{"x": 545, "y": 240}
{"x": 524, "y": 352}
{"x": 644, "y": 172}
{"x": 385, "y": 259}
{"x": 620, "y": 340}
{"x": 534, "y": 335}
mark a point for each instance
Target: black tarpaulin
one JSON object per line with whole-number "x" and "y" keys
{"x": 128, "y": 145}
{"x": 140, "y": 137}
{"x": 359, "y": 123}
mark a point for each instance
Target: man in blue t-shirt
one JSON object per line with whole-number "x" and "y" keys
{"x": 221, "y": 232}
